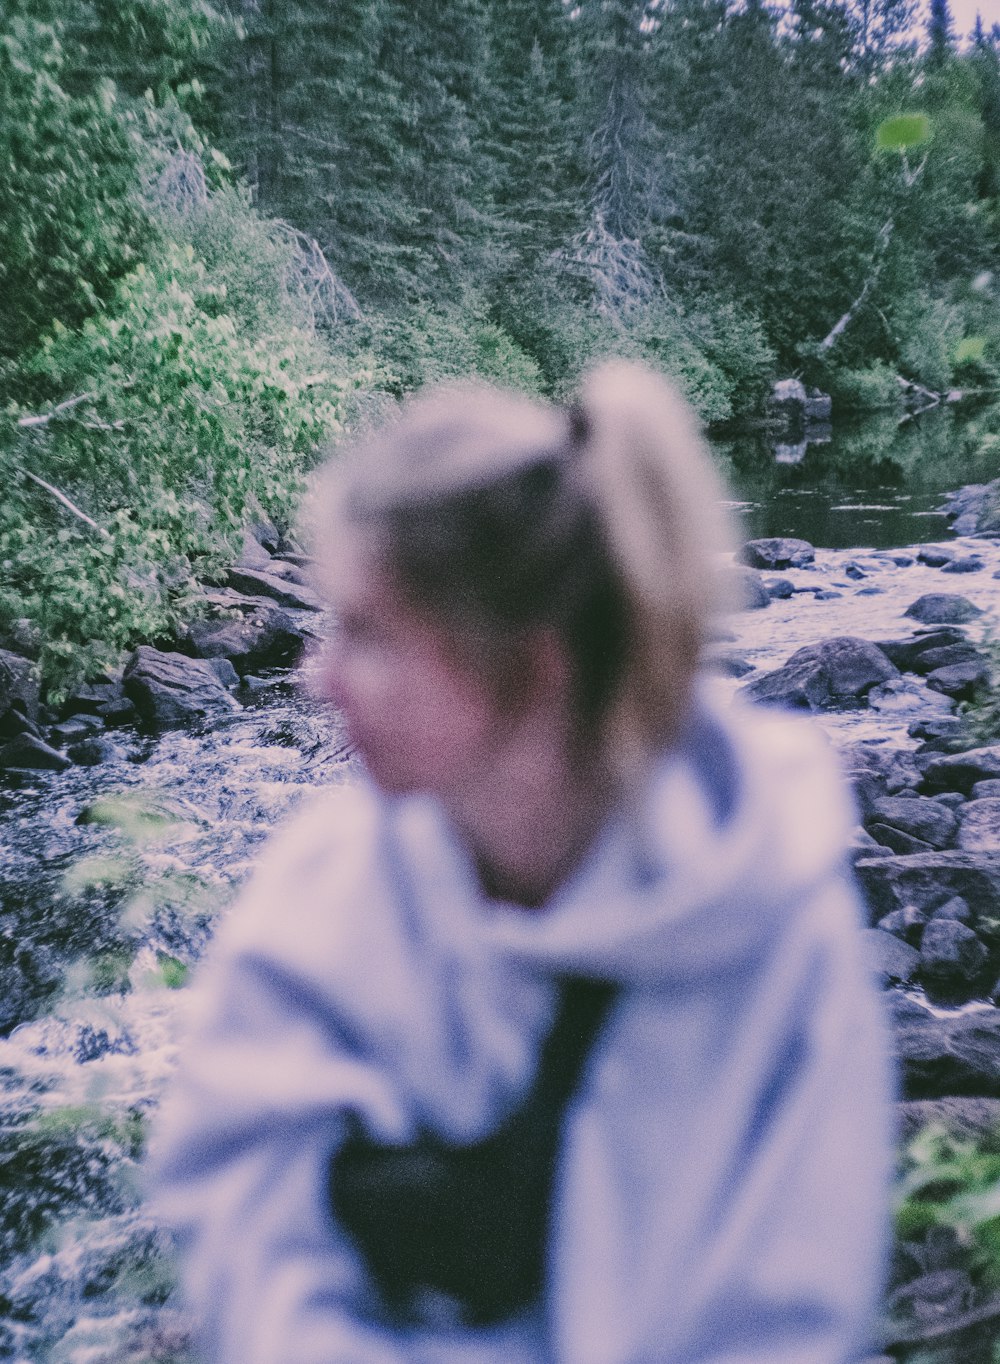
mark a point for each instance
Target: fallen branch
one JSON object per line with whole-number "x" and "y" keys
{"x": 60, "y": 410}
{"x": 977, "y": 1316}
{"x": 878, "y": 258}
{"x": 71, "y": 506}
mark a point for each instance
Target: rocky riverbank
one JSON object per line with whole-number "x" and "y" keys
{"x": 115, "y": 867}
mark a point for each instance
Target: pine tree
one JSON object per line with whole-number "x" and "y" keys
{"x": 940, "y": 33}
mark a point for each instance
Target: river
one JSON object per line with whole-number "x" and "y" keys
{"x": 111, "y": 879}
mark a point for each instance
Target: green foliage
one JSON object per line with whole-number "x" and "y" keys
{"x": 930, "y": 331}
{"x": 902, "y": 132}
{"x": 863, "y": 390}
{"x": 982, "y": 715}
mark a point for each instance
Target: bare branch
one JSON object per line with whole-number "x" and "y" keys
{"x": 60, "y": 410}
{"x": 312, "y": 277}
{"x": 71, "y": 506}
{"x": 878, "y": 258}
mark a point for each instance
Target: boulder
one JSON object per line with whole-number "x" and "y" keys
{"x": 947, "y": 656}
{"x": 749, "y": 591}
{"x": 920, "y": 817}
{"x": 19, "y": 686}
{"x": 942, "y": 608}
{"x": 962, "y": 771}
{"x": 27, "y": 752}
{"x": 939, "y": 733}
{"x": 779, "y": 589}
{"x": 896, "y": 840}
{"x": 951, "y": 954}
{"x": 935, "y": 556}
{"x": 907, "y": 924}
{"x": 967, "y": 563}
{"x": 778, "y": 552}
{"x": 968, "y": 1119}
{"x": 979, "y": 826}
{"x": 90, "y": 752}
{"x": 253, "y": 553}
{"x": 986, "y": 790}
{"x": 960, "y": 681}
{"x": 257, "y": 634}
{"x": 75, "y": 728}
{"x": 954, "y": 1055}
{"x": 907, "y": 653}
{"x": 890, "y": 959}
{"x": 260, "y": 584}
{"x": 928, "y": 880}
{"x": 170, "y": 689}
{"x": 975, "y": 509}
{"x": 836, "y": 671}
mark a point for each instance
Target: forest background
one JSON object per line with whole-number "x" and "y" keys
{"x": 230, "y": 230}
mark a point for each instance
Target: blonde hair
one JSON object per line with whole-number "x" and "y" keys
{"x": 500, "y": 513}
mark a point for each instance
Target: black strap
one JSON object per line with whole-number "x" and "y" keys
{"x": 470, "y": 1222}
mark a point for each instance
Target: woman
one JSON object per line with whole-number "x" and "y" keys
{"x": 522, "y": 595}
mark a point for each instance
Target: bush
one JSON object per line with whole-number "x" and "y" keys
{"x": 930, "y": 331}
{"x": 863, "y": 390}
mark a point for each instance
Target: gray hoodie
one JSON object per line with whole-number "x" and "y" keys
{"x": 720, "y": 1192}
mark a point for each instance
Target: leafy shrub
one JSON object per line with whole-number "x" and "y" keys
{"x": 735, "y": 342}
{"x": 982, "y": 716}
{"x": 930, "y": 331}
{"x": 863, "y": 390}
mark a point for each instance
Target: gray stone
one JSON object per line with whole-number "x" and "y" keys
{"x": 835, "y": 671}
{"x": 91, "y": 752}
{"x": 979, "y": 827}
{"x": 906, "y": 653}
{"x": 253, "y": 553}
{"x": 898, "y": 841}
{"x": 19, "y": 685}
{"x": 224, "y": 671}
{"x": 907, "y": 924}
{"x": 955, "y": 908}
{"x": 950, "y": 953}
{"x": 728, "y": 663}
{"x": 25, "y": 751}
{"x": 94, "y": 697}
{"x": 953, "y": 1055}
{"x": 961, "y": 681}
{"x": 946, "y": 608}
{"x": 935, "y": 556}
{"x": 968, "y": 1119}
{"x": 932, "y": 1299}
{"x": 986, "y": 790}
{"x": 778, "y": 552}
{"x": 947, "y": 656}
{"x": 76, "y": 727}
{"x": 749, "y": 590}
{"x": 779, "y": 589}
{"x": 258, "y": 634}
{"x": 951, "y": 799}
{"x": 968, "y": 563}
{"x": 170, "y": 689}
{"x": 285, "y": 593}
{"x": 889, "y": 958}
{"x": 929, "y": 879}
{"x": 919, "y": 817}
{"x": 962, "y": 771}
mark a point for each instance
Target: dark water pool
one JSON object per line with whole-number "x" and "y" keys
{"x": 873, "y": 482}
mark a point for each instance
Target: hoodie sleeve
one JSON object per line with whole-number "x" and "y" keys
{"x": 243, "y": 1142}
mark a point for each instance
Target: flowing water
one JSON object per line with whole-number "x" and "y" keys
{"x": 111, "y": 879}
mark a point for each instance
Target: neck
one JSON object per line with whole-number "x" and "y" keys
{"x": 529, "y": 822}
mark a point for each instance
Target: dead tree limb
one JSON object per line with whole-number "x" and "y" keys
{"x": 60, "y": 410}
{"x": 843, "y": 322}
{"x": 70, "y": 506}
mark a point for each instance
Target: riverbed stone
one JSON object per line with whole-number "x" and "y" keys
{"x": 935, "y": 556}
{"x": 20, "y": 689}
{"x": 947, "y": 656}
{"x": 253, "y": 554}
{"x": 27, "y": 752}
{"x": 929, "y": 880}
{"x": 952, "y": 799}
{"x": 891, "y": 960}
{"x": 779, "y": 589}
{"x": 951, "y": 953}
{"x": 91, "y": 752}
{"x": 835, "y": 671}
{"x": 979, "y": 826}
{"x": 962, "y": 771}
{"x": 255, "y": 582}
{"x": 920, "y": 817}
{"x": 75, "y": 728}
{"x": 778, "y": 552}
{"x": 955, "y": 908}
{"x": 986, "y": 790}
{"x": 965, "y": 563}
{"x": 170, "y": 689}
{"x": 907, "y": 923}
{"x": 939, "y": 732}
{"x": 257, "y": 633}
{"x": 907, "y": 654}
{"x": 951, "y": 1055}
{"x": 975, "y": 509}
{"x": 966, "y": 1119}
{"x": 749, "y": 591}
{"x": 960, "y": 681}
{"x": 946, "y": 608}
{"x": 897, "y": 840}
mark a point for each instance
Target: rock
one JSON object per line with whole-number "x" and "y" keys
{"x": 224, "y": 671}
{"x": 906, "y": 696}
{"x": 969, "y": 1119}
{"x": 834, "y": 672}
{"x": 170, "y": 689}
{"x": 950, "y": 953}
{"x": 928, "y": 880}
{"x": 935, "y": 556}
{"x": 946, "y": 1055}
{"x": 262, "y": 635}
{"x": 818, "y": 406}
{"x": 854, "y": 570}
{"x": 19, "y": 686}
{"x": 877, "y": 771}
{"x": 13, "y": 723}
{"x": 779, "y": 589}
{"x": 919, "y": 817}
{"x": 897, "y": 840}
{"x": 907, "y": 924}
{"x": 778, "y": 552}
{"x": 253, "y": 553}
{"x": 946, "y": 608}
{"x": 285, "y": 593}
{"x": 907, "y": 653}
{"x": 968, "y": 563}
{"x": 787, "y": 398}
{"x": 267, "y": 535}
{"x": 939, "y": 733}
{"x": 955, "y": 908}
{"x": 749, "y": 591}
{"x": 891, "y": 959}
{"x": 94, "y": 697}
{"x": 961, "y": 771}
{"x": 26, "y": 751}
{"x": 979, "y": 826}
{"x": 826, "y": 594}
{"x": 952, "y": 799}
{"x": 946, "y": 657}
{"x": 961, "y": 681}
{"x": 727, "y": 663}
{"x": 986, "y": 790}
{"x": 932, "y": 1299}
{"x": 91, "y": 752}
{"x": 975, "y": 509}
{"x": 76, "y": 727}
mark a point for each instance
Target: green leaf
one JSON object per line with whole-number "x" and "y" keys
{"x": 902, "y": 132}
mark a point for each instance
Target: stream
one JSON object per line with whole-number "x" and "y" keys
{"x": 111, "y": 877}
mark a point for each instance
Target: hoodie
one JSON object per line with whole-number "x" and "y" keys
{"x": 720, "y": 1190}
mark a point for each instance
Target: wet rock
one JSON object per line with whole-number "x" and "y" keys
{"x": 826, "y": 594}
{"x": 906, "y": 696}
{"x": 968, "y": 563}
{"x": 253, "y": 553}
{"x": 896, "y": 840}
{"x": 929, "y": 880}
{"x": 954, "y": 1055}
{"x": 960, "y": 681}
{"x": 728, "y": 664}
{"x": 267, "y": 535}
{"x": 91, "y": 752}
{"x": 947, "y": 656}
{"x": 14, "y": 723}
{"x": 950, "y": 953}
{"x": 975, "y": 509}
{"x": 285, "y": 593}
{"x": 852, "y": 569}
{"x": 907, "y": 924}
{"x": 986, "y": 790}
{"x": 749, "y": 591}
{"x": 919, "y": 817}
{"x": 962, "y": 771}
{"x": 890, "y": 959}
{"x": 968, "y": 1119}
{"x": 778, "y": 552}
{"x": 907, "y": 653}
{"x": 945, "y": 608}
{"x": 27, "y": 752}
{"x": 834, "y": 672}
{"x": 979, "y": 826}
{"x": 170, "y": 689}
{"x": 102, "y": 696}
{"x": 779, "y": 589}
{"x": 935, "y": 556}
{"x": 261, "y": 634}
{"x": 76, "y": 727}
{"x": 224, "y": 671}
{"x": 955, "y": 908}
{"x": 940, "y": 733}
{"x": 877, "y": 771}
{"x": 19, "y": 686}
{"x": 952, "y": 799}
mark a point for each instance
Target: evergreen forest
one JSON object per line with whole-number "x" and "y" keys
{"x": 231, "y": 229}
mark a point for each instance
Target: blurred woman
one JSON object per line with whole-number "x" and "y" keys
{"x": 548, "y": 1040}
